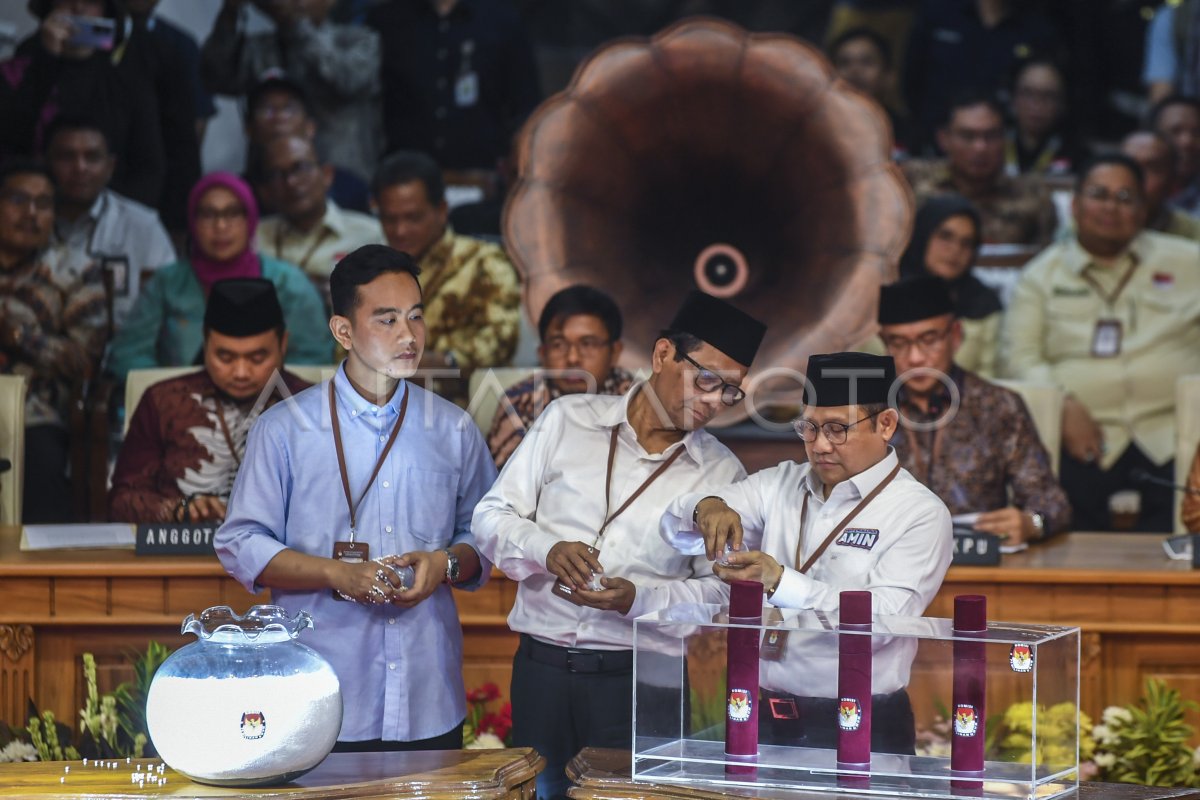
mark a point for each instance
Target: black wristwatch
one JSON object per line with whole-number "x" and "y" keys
{"x": 451, "y": 566}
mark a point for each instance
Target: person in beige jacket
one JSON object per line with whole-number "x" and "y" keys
{"x": 1113, "y": 317}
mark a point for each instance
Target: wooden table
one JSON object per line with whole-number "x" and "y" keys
{"x": 604, "y": 775}
{"x": 445, "y": 775}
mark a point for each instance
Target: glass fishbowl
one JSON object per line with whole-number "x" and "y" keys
{"x": 245, "y": 704}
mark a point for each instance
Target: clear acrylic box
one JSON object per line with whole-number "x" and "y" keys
{"x": 681, "y": 700}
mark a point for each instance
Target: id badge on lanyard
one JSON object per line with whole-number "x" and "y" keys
{"x": 1106, "y": 338}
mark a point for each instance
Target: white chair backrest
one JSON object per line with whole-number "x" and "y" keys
{"x": 12, "y": 447}
{"x": 139, "y": 380}
{"x": 1187, "y": 434}
{"x": 487, "y": 386}
{"x": 1045, "y": 404}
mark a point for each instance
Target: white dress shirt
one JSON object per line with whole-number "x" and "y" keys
{"x": 898, "y": 548}
{"x": 116, "y": 228}
{"x": 552, "y": 490}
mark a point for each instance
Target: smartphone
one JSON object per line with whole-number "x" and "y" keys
{"x": 97, "y": 32}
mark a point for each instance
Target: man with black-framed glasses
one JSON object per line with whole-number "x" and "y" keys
{"x": 970, "y": 441}
{"x": 849, "y": 518}
{"x": 573, "y": 517}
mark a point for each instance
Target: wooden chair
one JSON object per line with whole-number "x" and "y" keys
{"x": 1045, "y": 403}
{"x": 12, "y": 447}
{"x": 1187, "y": 435}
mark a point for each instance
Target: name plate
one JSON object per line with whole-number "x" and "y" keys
{"x": 975, "y": 549}
{"x": 174, "y": 539}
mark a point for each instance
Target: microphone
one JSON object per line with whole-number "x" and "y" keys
{"x": 1140, "y": 475}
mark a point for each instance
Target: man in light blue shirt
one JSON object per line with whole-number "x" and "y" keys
{"x": 290, "y": 526}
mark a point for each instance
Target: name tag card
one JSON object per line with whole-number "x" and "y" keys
{"x": 975, "y": 549}
{"x": 175, "y": 539}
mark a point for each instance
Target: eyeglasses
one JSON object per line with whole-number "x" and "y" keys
{"x": 211, "y": 216}
{"x": 835, "y": 432}
{"x": 986, "y": 136}
{"x": 40, "y": 202}
{"x": 1123, "y": 197}
{"x": 928, "y": 342}
{"x": 587, "y": 346}
{"x": 300, "y": 169}
{"x": 709, "y": 381}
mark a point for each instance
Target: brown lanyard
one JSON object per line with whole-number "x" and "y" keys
{"x": 841, "y": 525}
{"x": 303, "y": 263}
{"x": 341, "y": 456}
{"x": 228, "y": 436}
{"x": 1111, "y": 299}
{"x": 612, "y": 457}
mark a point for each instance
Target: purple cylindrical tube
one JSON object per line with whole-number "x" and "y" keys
{"x": 741, "y": 672}
{"x": 854, "y": 682}
{"x": 970, "y": 690}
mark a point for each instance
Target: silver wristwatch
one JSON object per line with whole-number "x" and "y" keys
{"x": 1039, "y": 525}
{"x": 451, "y": 566}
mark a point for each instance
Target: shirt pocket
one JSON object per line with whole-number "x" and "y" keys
{"x": 431, "y": 505}
{"x": 1071, "y": 326}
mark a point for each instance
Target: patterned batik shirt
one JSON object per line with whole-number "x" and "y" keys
{"x": 524, "y": 401}
{"x": 1013, "y": 210}
{"x": 988, "y": 449}
{"x": 55, "y": 307}
{"x": 472, "y": 301}
{"x": 176, "y": 446}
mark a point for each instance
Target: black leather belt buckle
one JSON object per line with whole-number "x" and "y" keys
{"x": 578, "y": 661}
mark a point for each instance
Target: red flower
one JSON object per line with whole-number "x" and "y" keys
{"x": 484, "y": 694}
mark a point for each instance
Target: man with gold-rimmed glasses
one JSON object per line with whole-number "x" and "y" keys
{"x": 850, "y": 518}
{"x": 573, "y": 517}
{"x": 970, "y": 441}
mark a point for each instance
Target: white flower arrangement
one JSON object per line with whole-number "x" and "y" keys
{"x": 17, "y": 750}
{"x": 486, "y": 741}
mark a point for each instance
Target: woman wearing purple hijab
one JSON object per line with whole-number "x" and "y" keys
{"x": 166, "y": 326}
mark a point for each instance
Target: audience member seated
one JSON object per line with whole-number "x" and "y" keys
{"x": 471, "y": 292}
{"x": 459, "y": 78}
{"x": 122, "y": 235}
{"x": 1014, "y": 210}
{"x": 863, "y": 58}
{"x": 188, "y": 436}
{"x": 1169, "y": 48}
{"x": 1191, "y": 500}
{"x": 278, "y": 106}
{"x": 945, "y": 243}
{"x": 1113, "y": 317}
{"x": 1178, "y": 118}
{"x": 50, "y": 75}
{"x": 1040, "y": 141}
{"x": 971, "y": 442}
{"x": 310, "y": 231}
{"x": 580, "y": 332}
{"x": 165, "y": 328}
{"x": 956, "y": 45}
{"x": 1155, "y": 155}
{"x": 338, "y": 64}
{"x": 53, "y": 322}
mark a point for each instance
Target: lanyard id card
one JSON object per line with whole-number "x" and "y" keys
{"x": 350, "y": 552}
{"x": 1106, "y": 339}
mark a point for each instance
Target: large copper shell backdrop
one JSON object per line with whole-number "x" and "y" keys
{"x": 709, "y": 135}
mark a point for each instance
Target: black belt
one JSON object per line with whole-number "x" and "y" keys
{"x": 576, "y": 659}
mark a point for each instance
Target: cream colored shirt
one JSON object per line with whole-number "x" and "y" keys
{"x": 1051, "y": 323}
{"x": 552, "y": 490}
{"x": 317, "y": 251}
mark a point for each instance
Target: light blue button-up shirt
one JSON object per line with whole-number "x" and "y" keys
{"x": 400, "y": 669}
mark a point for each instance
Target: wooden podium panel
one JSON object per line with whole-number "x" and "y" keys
{"x": 429, "y": 775}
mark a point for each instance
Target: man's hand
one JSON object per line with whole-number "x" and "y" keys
{"x": 573, "y": 563}
{"x": 617, "y": 595}
{"x": 56, "y": 30}
{"x": 361, "y": 582}
{"x": 1012, "y": 523}
{"x": 753, "y": 565}
{"x": 1081, "y": 436}
{"x": 429, "y": 568}
{"x": 206, "y": 507}
{"x": 719, "y": 524}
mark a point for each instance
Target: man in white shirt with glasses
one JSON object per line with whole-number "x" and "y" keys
{"x": 574, "y": 517}
{"x": 850, "y": 519}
